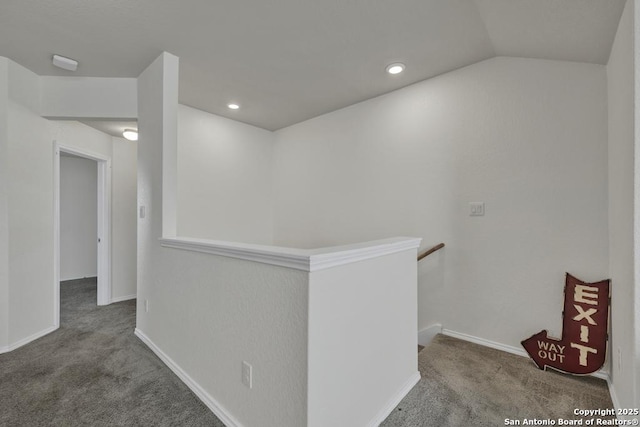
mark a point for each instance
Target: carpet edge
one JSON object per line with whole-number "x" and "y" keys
{"x": 27, "y": 340}
{"x": 601, "y": 374}
{"x": 425, "y": 335}
{"x": 123, "y": 298}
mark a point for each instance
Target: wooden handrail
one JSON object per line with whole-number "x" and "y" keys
{"x": 430, "y": 251}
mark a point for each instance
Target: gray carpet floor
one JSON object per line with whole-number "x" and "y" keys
{"x": 94, "y": 372}
{"x": 465, "y": 384}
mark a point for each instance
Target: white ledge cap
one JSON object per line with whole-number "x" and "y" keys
{"x": 299, "y": 259}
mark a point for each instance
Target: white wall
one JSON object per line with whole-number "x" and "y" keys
{"x": 620, "y": 78}
{"x": 24, "y": 87}
{"x": 527, "y": 137}
{"x": 230, "y": 308}
{"x": 225, "y": 186}
{"x": 30, "y": 210}
{"x": 78, "y": 135}
{"x": 210, "y": 313}
{"x": 88, "y": 97}
{"x": 362, "y": 340}
{"x": 26, "y": 204}
{"x": 78, "y": 218}
{"x": 124, "y": 220}
{"x": 636, "y": 220}
{"x": 4, "y": 215}
{"x": 123, "y": 198}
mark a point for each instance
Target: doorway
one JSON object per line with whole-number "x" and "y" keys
{"x": 103, "y": 238}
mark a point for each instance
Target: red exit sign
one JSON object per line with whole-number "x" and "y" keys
{"x": 583, "y": 346}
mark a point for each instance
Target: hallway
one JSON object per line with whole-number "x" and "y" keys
{"x": 93, "y": 371}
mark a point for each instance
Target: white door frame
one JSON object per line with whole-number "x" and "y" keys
{"x": 104, "y": 222}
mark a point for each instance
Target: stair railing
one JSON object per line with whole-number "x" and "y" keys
{"x": 430, "y": 251}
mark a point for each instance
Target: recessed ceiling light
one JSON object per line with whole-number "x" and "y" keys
{"x": 233, "y": 106}
{"x": 130, "y": 134}
{"x": 395, "y": 68}
{"x": 65, "y": 63}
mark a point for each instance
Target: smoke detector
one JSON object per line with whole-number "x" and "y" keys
{"x": 65, "y": 63}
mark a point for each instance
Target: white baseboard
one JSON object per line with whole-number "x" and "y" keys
{"x": 485, "y": 342}
{"x": 205, "y": 397}
{"x": 426, "y": 335}
{"x": 395, "y": 400}
{"x": 124, "y": 298}
{"x": 77, "y": 278}
{"x": 602, "y": 374}
{"x": 27, "y": 340}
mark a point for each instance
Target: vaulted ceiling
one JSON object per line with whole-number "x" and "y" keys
{"x": 285, "y": 61}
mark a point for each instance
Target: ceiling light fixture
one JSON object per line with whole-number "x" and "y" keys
{"x": 233, "y": 106}
{"x": 395, "y": 68}
{"x": 65, "y": 63}
{"x": 130, "y": 134}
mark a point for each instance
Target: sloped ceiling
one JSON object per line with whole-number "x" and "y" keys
{"x": 569, "y": 30}
{"x": 285, "y": 61}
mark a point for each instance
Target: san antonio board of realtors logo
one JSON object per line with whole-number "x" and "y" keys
{"x": 582, "y": 348}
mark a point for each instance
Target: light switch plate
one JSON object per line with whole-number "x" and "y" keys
{"x": 476, "y": 209}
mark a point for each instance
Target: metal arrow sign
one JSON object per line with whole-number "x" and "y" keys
{"x": 583, "y": 346}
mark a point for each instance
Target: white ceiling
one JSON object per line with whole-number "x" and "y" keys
{"x": 285, "y": 61}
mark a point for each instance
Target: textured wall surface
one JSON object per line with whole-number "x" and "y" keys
{"x": 620, "y": 77}
{"x": 30, "y": 209}
{"x": 4, "y": 214}
{"x": 225, "y": 186}
{"x": 124, "y": 218}
{"x": 210, "y": 313}
{"x": 123, "y": 197}
{"x": 27, "y": 146}
{"x": 78, "y": 218}
{"x": 31, "y": 284}
{"x": 362, "y": 309}
{"x": 91, "y": 97}
{"x": 527, "y": 137}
